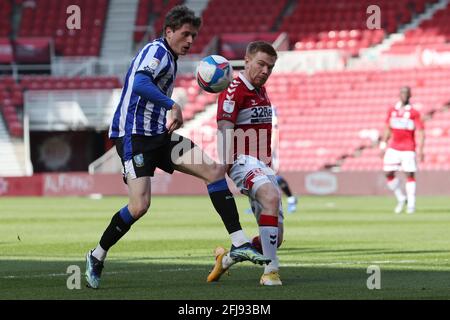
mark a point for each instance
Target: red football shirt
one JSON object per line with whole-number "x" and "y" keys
{"x": 251, "y": 112}
{"x": 403, "y": 123}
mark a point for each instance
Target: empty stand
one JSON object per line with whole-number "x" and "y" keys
{"x": 152, "y": 10}
{"x": 5, "y": 20}
{"x": 233, "y": 16}
{"x": 62, "y": 83}
{"x": 11, "y": 93}
{"x": 326, "y": 118}
{"x": 437, "y": 142}
{"x": 430, "y": 34}
{"x": 47, "y": 18}
{"x": 196, "y": 99}
{"x": 142, "y": 18}
{"x": 10, "y": 98}
{"x": 321, "y": 24}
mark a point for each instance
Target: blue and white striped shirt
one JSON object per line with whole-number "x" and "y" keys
{"x": 135, "y": 114}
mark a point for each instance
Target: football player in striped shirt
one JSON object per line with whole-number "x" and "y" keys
{"x": 144, "y": 142}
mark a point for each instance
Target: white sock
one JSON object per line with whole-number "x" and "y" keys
{"x": 394, "y": 185}
{"x": 411, "y": 193}
{"x": 269, "y": 243}
{"x": 99, "y": 253}
{"x": 238, "y": 238}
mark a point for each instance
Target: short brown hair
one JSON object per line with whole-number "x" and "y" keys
{"x": 179, "y": 15}
{"x": 260, "y": 46}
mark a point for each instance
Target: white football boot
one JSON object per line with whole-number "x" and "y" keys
{"x": 400, "y": 206}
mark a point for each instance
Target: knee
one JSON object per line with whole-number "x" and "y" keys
{"x": 139, "y": 207}
{"x": 270, "y": 199}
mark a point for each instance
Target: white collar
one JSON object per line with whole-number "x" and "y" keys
{"x": 247, "y": 83}
{"x": 399, "y": 105}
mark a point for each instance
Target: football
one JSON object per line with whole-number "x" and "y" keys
{"x": 214, "y": 73}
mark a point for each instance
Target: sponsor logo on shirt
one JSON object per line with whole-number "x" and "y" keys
{"x": 255, "y": 115}
{"x": 402, "y": 124}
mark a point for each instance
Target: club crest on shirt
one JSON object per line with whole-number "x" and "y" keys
{"x": 228, "y": 106}
{"x": 139, "y": 160}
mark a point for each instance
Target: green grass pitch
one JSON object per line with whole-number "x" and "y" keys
{"x": 329, "y": 244}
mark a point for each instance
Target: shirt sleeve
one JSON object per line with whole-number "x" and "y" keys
{"x": 388, "y": 116}
{"x": 145, "y": 88}
{"x": 154, "y": 62}
{"x": 228, "y": 105}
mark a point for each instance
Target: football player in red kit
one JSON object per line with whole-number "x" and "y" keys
{"x": 403, "y": 125}
{"x": 244, "y": 119}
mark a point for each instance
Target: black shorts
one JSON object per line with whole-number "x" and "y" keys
{"x": 151, "y": 152}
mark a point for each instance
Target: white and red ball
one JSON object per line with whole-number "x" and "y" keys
{"x": 214, "y": 73}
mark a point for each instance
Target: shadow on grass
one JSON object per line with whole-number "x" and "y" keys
{"x": 124, "y": 280}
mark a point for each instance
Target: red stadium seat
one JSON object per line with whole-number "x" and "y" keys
{"x": 44, "y": 19}
{"x": 429, "y": 33}
{"x": 315, "y": 114}
{"x": 343, "y": 21}
{"x": 221, "y": 17}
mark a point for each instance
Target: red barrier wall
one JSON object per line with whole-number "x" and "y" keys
{"x": 318, "y": 183}
{"x": 364, "y": 183}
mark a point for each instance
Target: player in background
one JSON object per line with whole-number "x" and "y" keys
{"x": 403, "y": 125}
{"x": 144, "y": 142}
{"x": 244, "y": 120}
{"x": 284, "y": 186}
